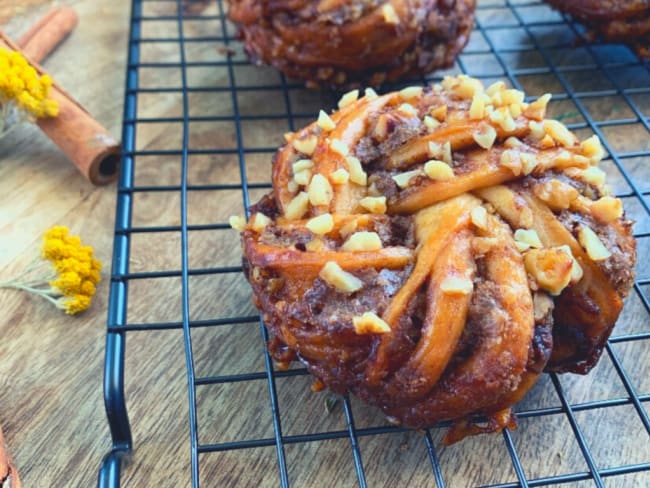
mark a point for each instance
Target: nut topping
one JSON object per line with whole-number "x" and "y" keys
{"x": 592, "y": 244}
{"x": 370, "y": 323}
{"x": 336, "y": 277}
{"x": 306, "y": 145}
{"x": 362, "y": 241}
{"x": 321, "y": 225}
{"x": 325, "y": 122}
{"x": 297, "y": 207}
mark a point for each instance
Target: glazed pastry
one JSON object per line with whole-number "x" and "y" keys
{"x": 626, "y": 21}
{"x": 433, "y": 250}
{"x": 347, "y": 43}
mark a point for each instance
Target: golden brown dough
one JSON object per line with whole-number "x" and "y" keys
{"x": 347, "y": 43}
{"x": 626, "y": 21}
{"x": 433, "y": 250}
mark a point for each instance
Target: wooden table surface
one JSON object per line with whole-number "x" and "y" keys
{"x": 51, "y": 406}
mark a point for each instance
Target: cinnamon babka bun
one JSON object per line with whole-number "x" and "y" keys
{"x": 338, "y": 43}
{"x": 626, "y": 21}
{"x": 433, "y": 250}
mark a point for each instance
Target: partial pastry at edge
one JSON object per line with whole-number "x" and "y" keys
{"x": 350, "y": 43}
{"x": 433, "y": 250}
{"x": 626, "y": 21}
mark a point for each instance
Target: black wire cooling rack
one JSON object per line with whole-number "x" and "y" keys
{"x": 601, "y": 89}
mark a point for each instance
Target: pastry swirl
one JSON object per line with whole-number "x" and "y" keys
{"x": 345, "y": 43}
{"x": 433, "y": 250}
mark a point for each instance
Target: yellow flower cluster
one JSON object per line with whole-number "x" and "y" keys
{"x": 20, "y": 83}
{"x": 77, "y": 270}
{"x": 65, "y": 274}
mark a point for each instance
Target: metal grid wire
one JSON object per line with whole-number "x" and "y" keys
{"x": 583, "y": 77}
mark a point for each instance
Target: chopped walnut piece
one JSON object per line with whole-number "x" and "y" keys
{"x": 325, "y": 122}
{"x": 435, "y": 150}
{"x": 362, "y": 241}
{"x": 556, "y": 194}
{"x": 559, "y": 132}
{"x": 375, "y": 205}
{"x": 502, "y": 118}
{"x": 453, "y": 285}
{"x": 336, "y": 277}
{"x": 370, "y": 323}
{"x": 590, "y": 241}
{"x": 537, "y": 110}
{"x": 380, "y": 130}
{"x": 576, "y": 270}
{"x": 439, "y": 113}
{"x": 515, "y": 109}
{"x": 483, "y": 245}
{"x": 404, "y": 179}
{"x": 349, "y": 98}
{"x": 408, "y": 109}
{"x": 512, "y": 142}
{"x": 479, "y": 217}
{"x": 431, "y": 123}
{"x": 607, "y": 209}
{"x": 410, "y": 92}
{"x": 528, "y": 163}
{"x": 580, "y": 161}
{"x": 316, "y": 245}
{"x": 306, "y": 145}
{"x": 348, "y": 228}
{"x": 551, "y": 268}
{"x": 510, "y": 159}
{"x": 547, "y": 142}
{"x": 237, "y": 222}
{"x": 297, "y": 207}
{"x": 438, "y": 170}
{"x": 302, "y": 177}
{"x": 527, "y": 238}
{"x": 370, "y": 94}
{"x": 389, "y": 14}
{"x": 467, "y": 87}
{"x": 592, "y": 148}
{"x": 340, "y": 147}
{"x": 594, "y": 176}
{"x": 340, "y": 176}
{"x": 259, "y": 222}
{"x": 321, "y": 225}
{"x": 446, "y": 153}
{"x": 357, "y": 174}
{"x": 477, "y": 108}
{"x": 485, "y": 137}
{"x": 320, "y": 190}
{"x": 301, "y": 165}
{"x": 512, "y": 97}
{"x": 537, "y": 132}
{"x": 497, "y": 86}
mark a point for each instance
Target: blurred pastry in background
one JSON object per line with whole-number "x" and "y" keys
{"x": 626, "y": 21}
{"x": 336, "y": 43}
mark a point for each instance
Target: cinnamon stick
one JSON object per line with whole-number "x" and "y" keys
{"x": 82, "y": 139}
{"x": 8, "y": 472}
{"x": 46, "y": 34}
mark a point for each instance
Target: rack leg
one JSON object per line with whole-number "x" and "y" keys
{"x": 118, "y": 419}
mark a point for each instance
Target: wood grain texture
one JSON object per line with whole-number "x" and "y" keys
{"x": 51, "y": 406}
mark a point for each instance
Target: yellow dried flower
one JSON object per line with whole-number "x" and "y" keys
{"x": 24, "y": 94}
{"x": 66, "y": 273}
